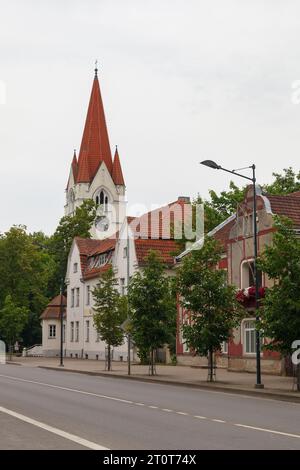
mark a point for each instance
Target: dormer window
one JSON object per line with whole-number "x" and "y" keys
{"x": 98, "y": 261}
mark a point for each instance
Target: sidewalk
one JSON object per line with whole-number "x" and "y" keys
{"x": 276, "y": 387}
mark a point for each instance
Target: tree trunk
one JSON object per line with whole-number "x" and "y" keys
{"x": 152, "y": 361}
{"x": 298, "y": 377}
{"x": 211, "y": 366}
{"x": 108, "y": 358}
{"x": 10, "y": 348}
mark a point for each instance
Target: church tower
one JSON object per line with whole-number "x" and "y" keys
{"x": 95, "y": 175}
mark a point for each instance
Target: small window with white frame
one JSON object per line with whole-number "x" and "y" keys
{"x": 87, "y": 331}
{"x": 249, "y": 336}
{"x": 77, "y": 296}
{"x": 75, "y": 267}
{"x": 52, "y": 331}
{"x": 122, "y": 286}
{"x": 72, "y": 332}
{"x": 88, "y": 295}
{"x": 224, "y": 347}
{"x": 77, "y": 332}
{"x": 125, "y": 252}
{"x": 72, "y": 297}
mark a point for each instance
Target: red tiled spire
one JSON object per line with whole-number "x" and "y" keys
{"x": 83, "y": 169}
{"x": 75, "y": 166}
{"x": 117, "y": 174}
{"x": 95, "y": 146}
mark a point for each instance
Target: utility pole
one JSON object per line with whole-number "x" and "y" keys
{"x": 128, "y": 280}
{"x": 215, "y": 166}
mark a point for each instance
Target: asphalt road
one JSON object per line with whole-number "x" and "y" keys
{"x": 42, "y": 409}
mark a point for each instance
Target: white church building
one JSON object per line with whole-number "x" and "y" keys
{"x": 117, "y": 240}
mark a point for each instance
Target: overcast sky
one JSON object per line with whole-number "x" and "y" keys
{"x": 181, "y": 81}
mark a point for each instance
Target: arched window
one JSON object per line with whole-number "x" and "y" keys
{"x": 102, "y": 199}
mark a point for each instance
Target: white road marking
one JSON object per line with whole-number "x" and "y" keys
{"x": 58, "y": 432}
{"x": 107, "y": 397}
{"x": 271, "y": 431}
{"x": 182, "y": 413}
{"x": 121, "y": 400}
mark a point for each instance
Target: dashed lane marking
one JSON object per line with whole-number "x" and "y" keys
{"x": 130, "y": 402}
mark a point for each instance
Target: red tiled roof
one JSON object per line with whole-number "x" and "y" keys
{"x": 89, "y": 248}
{"x": 117, "y": 174}
{"x": 288, "y": 206}
{"x": 105, "y": 245}
{"x": 75, "y": 166}
{"x": 166, "y": 249}
{"x": 83, "y": 175}
{"x": 52, "y": 311}
{"x": 85, "y": 247}
{"x": 95, "y": 146}
{"x": 95, "y": 272}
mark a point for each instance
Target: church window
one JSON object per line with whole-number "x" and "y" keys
{"x": 102, "y": 199}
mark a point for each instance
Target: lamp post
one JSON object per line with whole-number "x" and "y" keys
{"x": 128, "y": 281}
{"x": 215, "y": 166}
{"x": 61, "y": 315}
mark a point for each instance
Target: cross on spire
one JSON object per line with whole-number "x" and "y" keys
{"x": 96, "y": 67}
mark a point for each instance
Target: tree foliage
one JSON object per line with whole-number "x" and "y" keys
{"x": 280, "y": 313}
{"x": 220, "y": 206}
{"x": 285, "y": 183}
{"x": 153, "y": 306}
{"x": 25, "y": 271}
{"x": 12, "y": 321}
{"x": 69, "y": 227}
{"x": 109, "y": 311}
{"x": 212, "y": 305}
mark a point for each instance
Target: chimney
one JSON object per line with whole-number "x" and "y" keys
{"x": 185, "y": 199}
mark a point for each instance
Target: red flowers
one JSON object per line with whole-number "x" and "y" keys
{"x": 247, "y": 294}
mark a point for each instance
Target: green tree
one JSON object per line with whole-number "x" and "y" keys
{"x": 280, "y": 311}
{"x": 212, "y": 305}
{"x": 12, "y": 322}
{"x": 25, "y": 272}
{"x": 153, "y": 307}
{"x": 69, "y": 227}
{"x": 285, "y": 183}
{"x": 109, "y": 312}
{"x": 220, "y": 206}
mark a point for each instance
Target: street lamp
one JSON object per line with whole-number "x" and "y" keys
{"x": 61, "y": 316}
{"x": 215, "y": 166}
